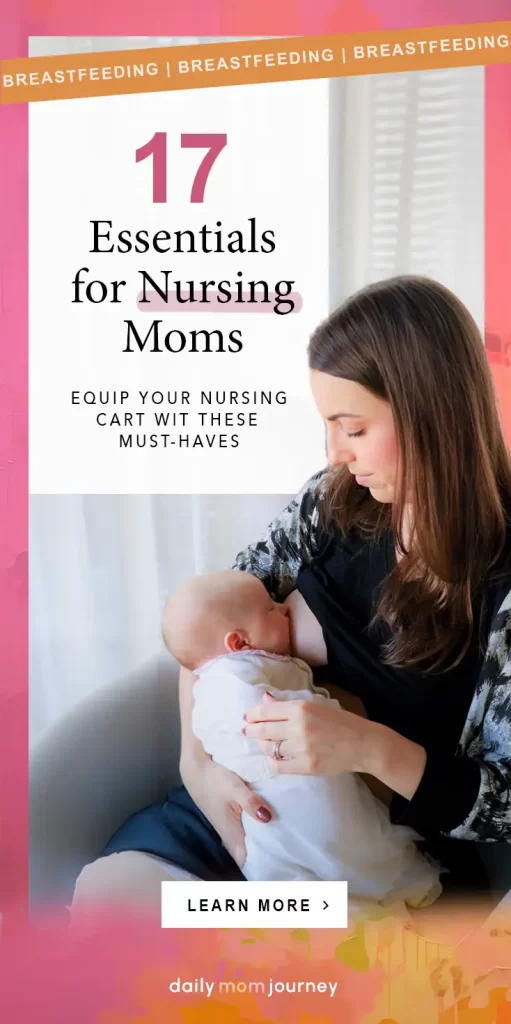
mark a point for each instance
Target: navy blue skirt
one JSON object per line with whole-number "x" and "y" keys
{"x": 177, "y": 830}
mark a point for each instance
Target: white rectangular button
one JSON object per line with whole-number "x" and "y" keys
{"x": 254, "y": 905}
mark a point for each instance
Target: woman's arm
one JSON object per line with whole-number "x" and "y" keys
{"x": 394, "y": 760}
{"x": 307, "y": 642}
{"x": 464, "y": 796}
{"x": 324, "y": 739}
{"x": 350, "y": 742}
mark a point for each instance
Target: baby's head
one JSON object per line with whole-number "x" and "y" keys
{"x": 220, "y": 613}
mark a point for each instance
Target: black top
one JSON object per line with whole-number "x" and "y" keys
{"x": 341, "y": 587}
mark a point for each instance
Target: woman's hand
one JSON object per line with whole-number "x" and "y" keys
{"x": 323, "y": 739}
{"x": 316, "y": 738}
{"x": 222, "y": 796}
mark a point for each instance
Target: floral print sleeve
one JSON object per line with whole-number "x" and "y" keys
{"x": 467, "y": 795}
{"x": 486, "y": 738}
{"x": 288, "y": 544}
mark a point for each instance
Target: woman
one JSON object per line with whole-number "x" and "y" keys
{"x": 398, "y": 558}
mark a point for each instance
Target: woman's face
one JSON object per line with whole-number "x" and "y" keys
{"x": 359, "y": 431}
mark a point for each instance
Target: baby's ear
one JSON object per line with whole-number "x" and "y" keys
{"x": 237, "y": 640}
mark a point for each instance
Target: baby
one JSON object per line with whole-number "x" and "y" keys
{"x": 226, "y": 629}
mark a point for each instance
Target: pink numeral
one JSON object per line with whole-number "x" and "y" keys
{"x": 214, "y": 144}
{"x": 157, "y": 148}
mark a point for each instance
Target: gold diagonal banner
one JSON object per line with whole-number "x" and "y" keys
{"x": 198, "y": 66}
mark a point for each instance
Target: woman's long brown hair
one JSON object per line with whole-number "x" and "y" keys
{"x": 412, "y": 342}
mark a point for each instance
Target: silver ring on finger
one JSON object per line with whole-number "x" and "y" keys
{"x": 276, "y": 751}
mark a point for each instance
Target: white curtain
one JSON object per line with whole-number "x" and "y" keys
{"x": 408, "y": 157}
{"x": 406, "y": 194}
{"x": 100, "y": 569}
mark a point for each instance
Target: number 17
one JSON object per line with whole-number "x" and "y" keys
{"x": 157, "y": 148}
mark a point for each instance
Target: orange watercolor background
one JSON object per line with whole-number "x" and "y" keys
{"x": 120, "y": 972}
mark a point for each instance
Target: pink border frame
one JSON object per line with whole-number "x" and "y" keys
{"x": 155, "y": 17}
{"x": 14, "y": 490}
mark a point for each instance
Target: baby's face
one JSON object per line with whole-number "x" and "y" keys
{"x": 268, "y": 623}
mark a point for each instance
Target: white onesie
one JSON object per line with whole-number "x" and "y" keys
{"x": 324, "y": 827}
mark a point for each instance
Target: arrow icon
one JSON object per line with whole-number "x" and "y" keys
{"x": 325, "y": 904}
